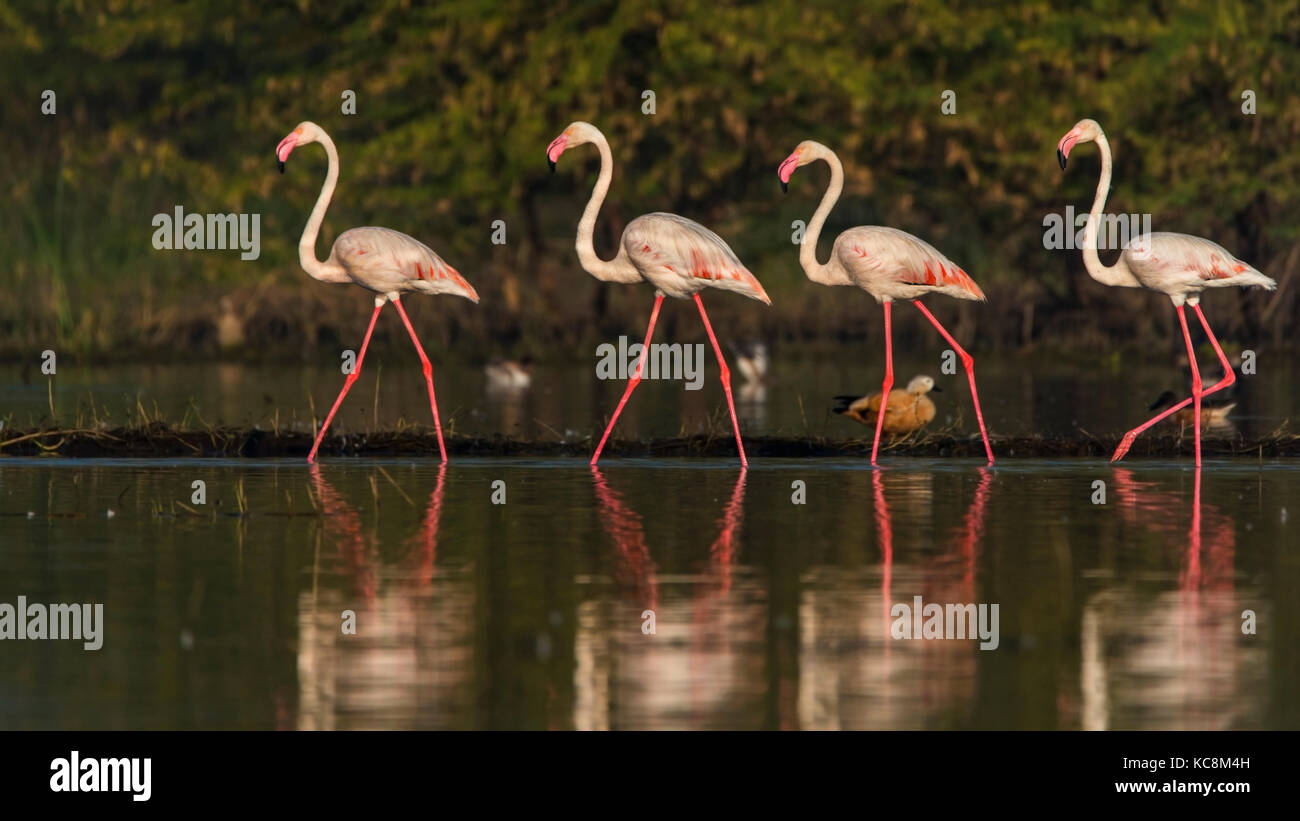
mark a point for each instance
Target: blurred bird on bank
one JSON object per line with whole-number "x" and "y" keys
{"x": 507, "y": 375}
{"x": 1213, "y": 415}
{"x": 906, "y": 411}
{"x": 230, "y": 325}
{"x": 751, "y": 361}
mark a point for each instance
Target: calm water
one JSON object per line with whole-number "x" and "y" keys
{"x": 1021, "y": 396}
{"x": 767, "y": 614}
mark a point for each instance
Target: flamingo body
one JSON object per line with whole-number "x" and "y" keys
{"x": 680, "y": 258}
{"x": 1182, "y": 266}
{"x": 892, "y": 264}
{"x": 387, "y": 261}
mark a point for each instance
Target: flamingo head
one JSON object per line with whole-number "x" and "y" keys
{"x": 578, "y": 133}
{"x": 306, "y": 132}
{"x": 806, "y": 152}
{"x": 1084, "y": 131}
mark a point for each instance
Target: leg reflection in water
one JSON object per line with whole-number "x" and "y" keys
{"x": 688, "y": 659}
{"x": 853, "y": 673}
{"x": 1162, "y": 654}
{"x": 408, "y": 662}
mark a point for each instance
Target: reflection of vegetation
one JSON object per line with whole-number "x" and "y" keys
{"x": 160, "y": 105}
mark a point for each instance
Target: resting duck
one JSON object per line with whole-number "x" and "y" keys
{"x": 908, "y": 410}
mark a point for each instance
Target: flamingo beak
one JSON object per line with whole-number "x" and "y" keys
{"x": 282, "y": 150}
{"x": 936, "y": 389}
{"x": 788, "y": 165}
{"x": 555, "y": 149}
{"x": 1063, "y": 148}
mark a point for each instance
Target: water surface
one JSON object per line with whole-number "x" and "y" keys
{"x": 767, "y": 614}
{"x": 1021, "y": 395}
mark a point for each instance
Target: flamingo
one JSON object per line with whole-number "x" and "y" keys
{"x": 888, "y": 264}
{"x": 1177, "y": 265}
{"x": 378, "y": 259}
{"x": 679, "y": 257}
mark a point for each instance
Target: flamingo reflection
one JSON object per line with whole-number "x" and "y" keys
{"x": 853, "y": 673}
{"x": 408, "y": 663}
{"x": 1161, "y": 511}
{"x": 341, "y": 525}
{"x": 699, "y": 664}
{"x": 1175, "y": 659}
{"x": 635, "y": 568}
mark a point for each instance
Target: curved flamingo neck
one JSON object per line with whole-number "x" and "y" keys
{"x": 307, "y": 245}
{"x": 617, "y": 269}
{"x": 1117, "y": 275}
{"x": 816, "y": 271}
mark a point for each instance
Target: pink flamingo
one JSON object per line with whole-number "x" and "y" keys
{"x": 677, "y": 256}
{"x": 378, "y": 259}
{"x": 888, "y": 264}
{"x": 1177, "y": 265}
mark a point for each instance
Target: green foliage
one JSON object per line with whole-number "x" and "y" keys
{"x": 162, "y": 104}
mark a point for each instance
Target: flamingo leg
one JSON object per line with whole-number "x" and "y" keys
{"x": 1197, "y": 387}
{"x": 724, "y": 374}
{"x": 347, "y": 383}
{"x": 428, "y": 375}
{"x": 1229, "y": 376}
{"x": 886, "y": 386}
{"x": 968, "y": 362}
{"x": 1195, "y": 398}
{"x": 636, "y": 377}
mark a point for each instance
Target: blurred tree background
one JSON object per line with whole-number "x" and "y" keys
{"x": 163, "y": 104}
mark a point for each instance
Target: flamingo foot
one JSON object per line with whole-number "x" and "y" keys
{"x": 1124, "y": 445}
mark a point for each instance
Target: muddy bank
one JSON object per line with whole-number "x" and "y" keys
{"x": 158, "y": 440}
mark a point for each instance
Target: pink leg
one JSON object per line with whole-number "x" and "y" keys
{"x": 724, "y": 374}
{"x": 428, "y": 376}
{"x": 886, "y": 386}
{"x": 636, "y": 377}
{"x": 1197, "y": 393}
{"x": 969, "y": 363}
{"x": 347, "y": 383}
{"x": 1229, "y": 376}
{"x": 1196, "y": 382}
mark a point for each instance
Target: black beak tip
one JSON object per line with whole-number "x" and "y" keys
{"x": 551, "y": 163}
{"x": 937, "y": 389}
{"x": 1060, "y": 157}
{"x": 280, "y": 165}
{"x": 785, "y": 187}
